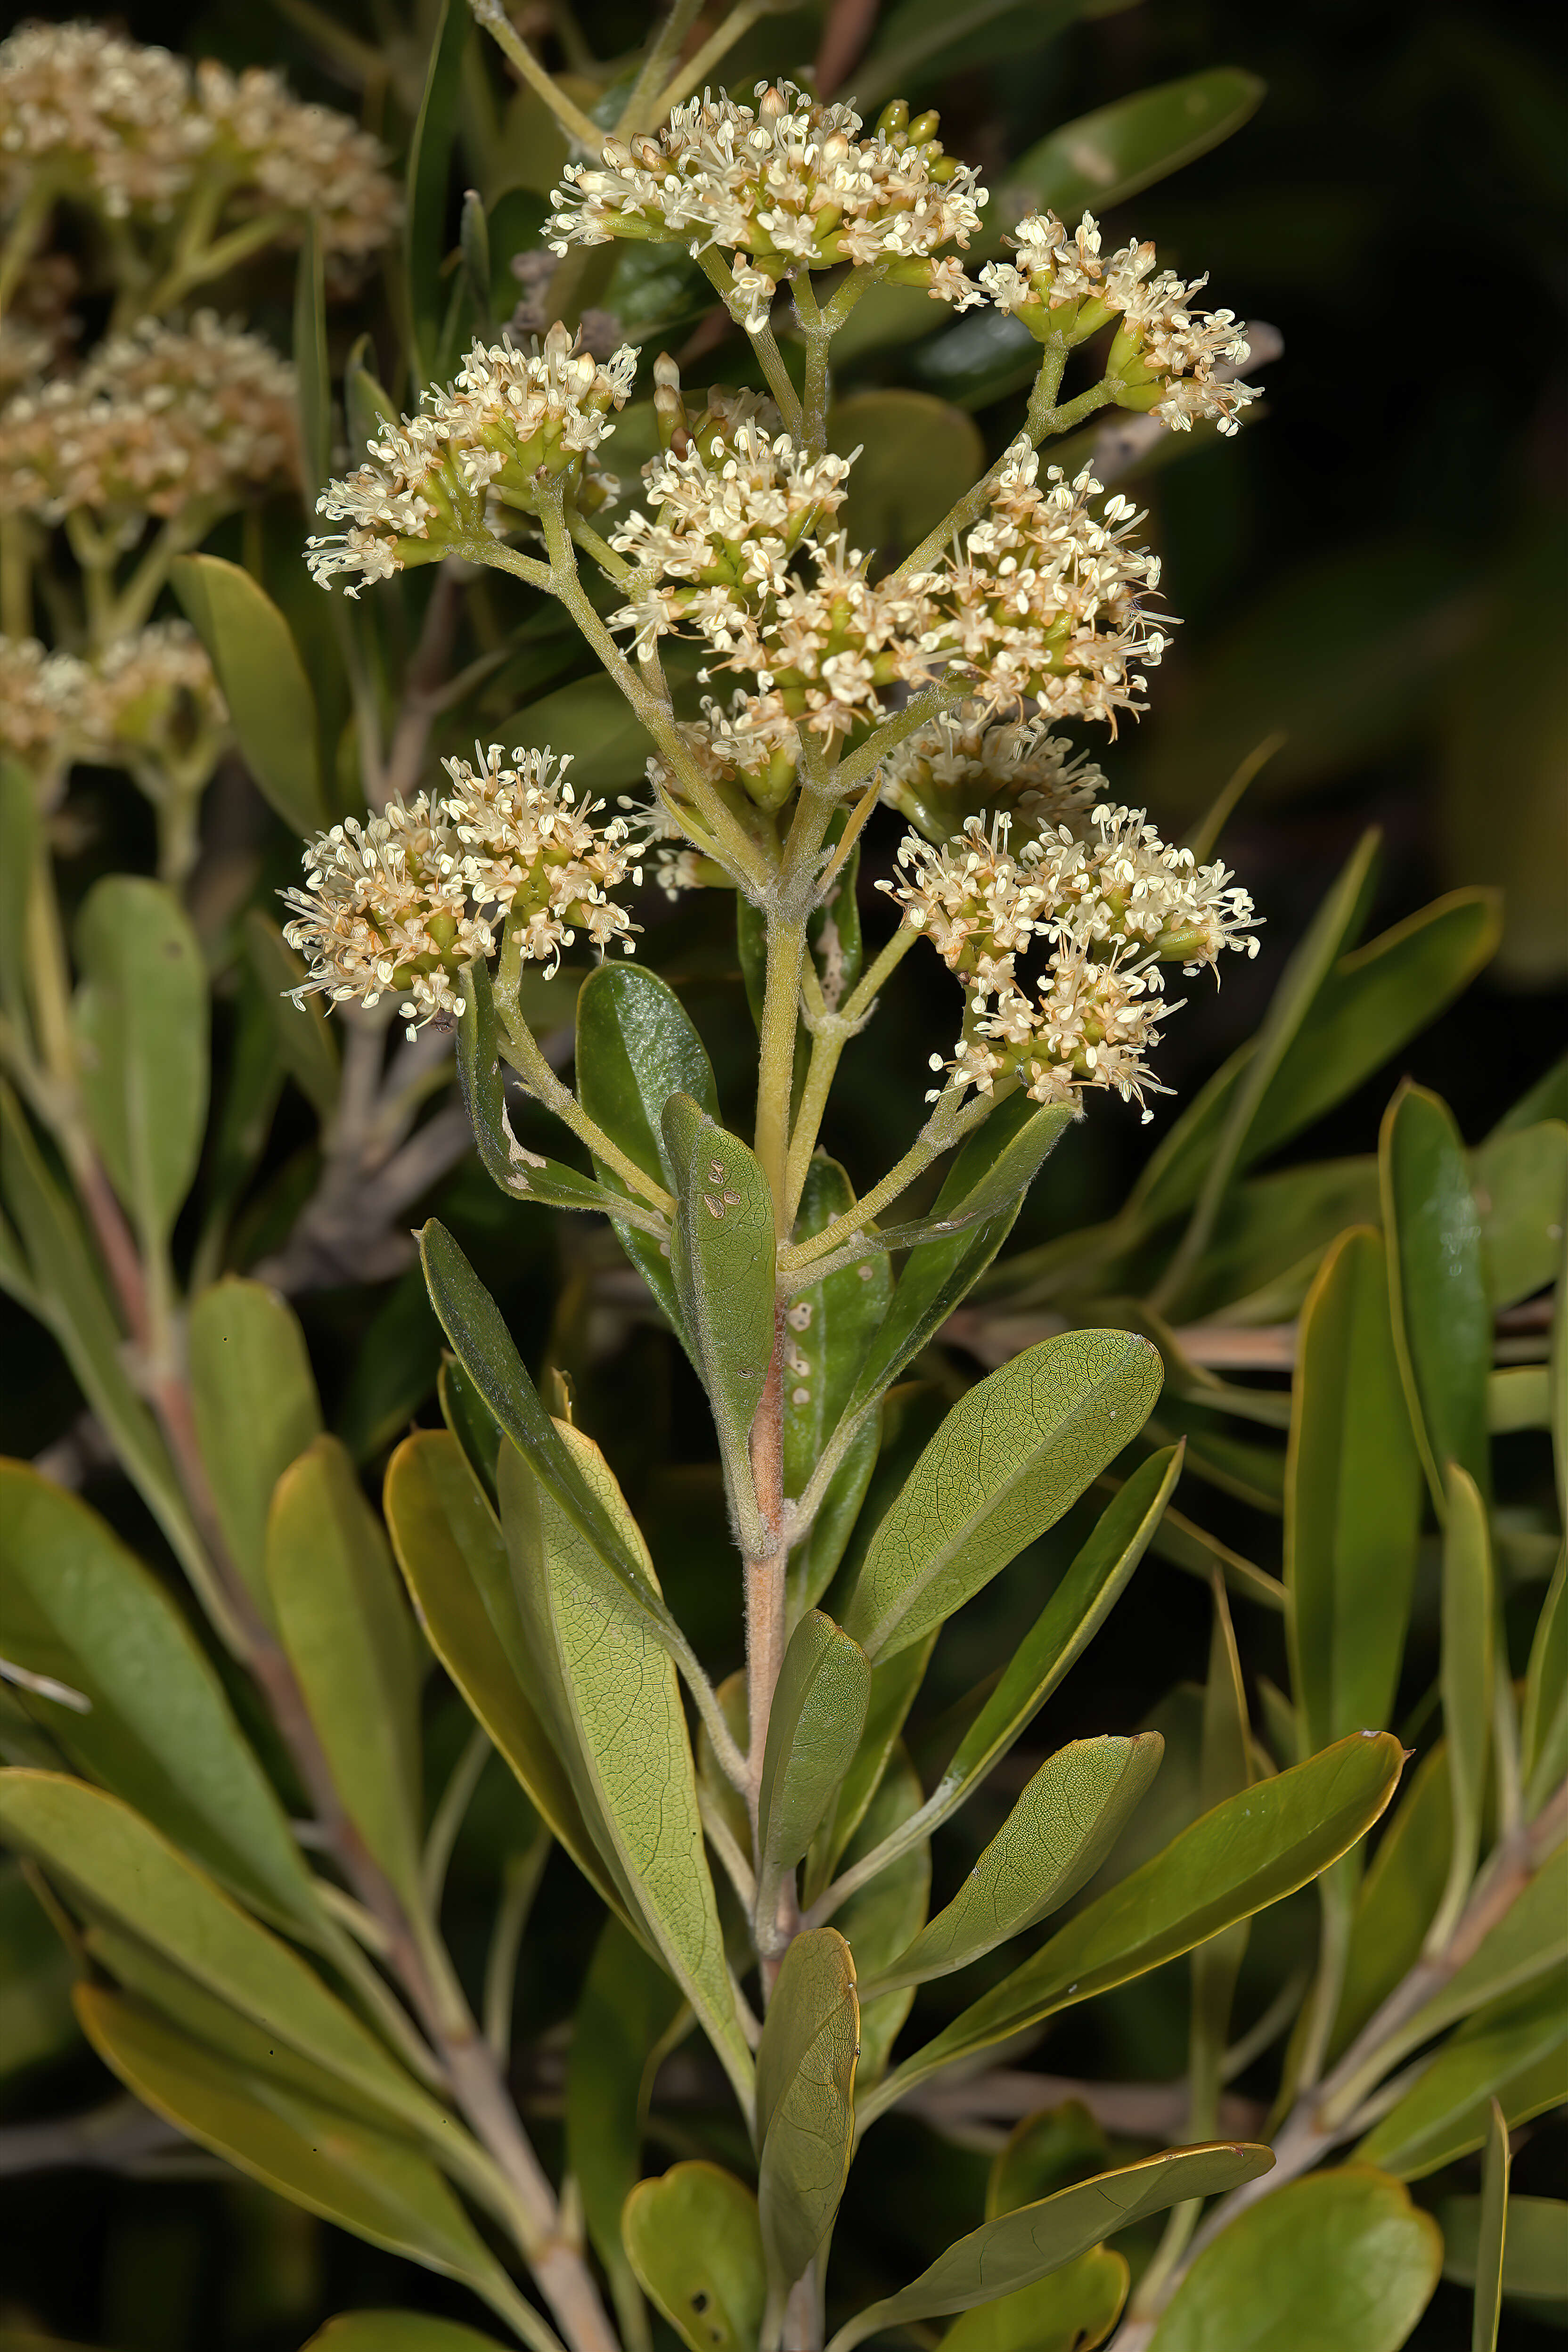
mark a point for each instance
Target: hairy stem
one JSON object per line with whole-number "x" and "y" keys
{"x": 766, "y": 1570}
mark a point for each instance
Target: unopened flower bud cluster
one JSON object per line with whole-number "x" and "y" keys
{"x": 1167, "y": 355}
{"x": 1109, "y": 902}
{"x": 158, "y": 420}
{"x": 473, "y": 452}
{"x": 788, "y": 184}
{"x": 134, "y": 131}
{"x": 402, "y": 904}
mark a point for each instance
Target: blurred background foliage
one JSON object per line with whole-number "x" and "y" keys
{"x": 1373, "y": 573}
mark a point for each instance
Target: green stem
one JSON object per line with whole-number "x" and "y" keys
{"x": 703, "y": 61}
{"x": 520, "y": 1047}
{"x": 510, "y": 41}
{"x": 642, "y": 108}
{"x": 765, "y": 342}
{"x": 947, "y": 1125}
{"x": 775, "y": 1059}
{"x": 613, "y": 566}
{"x": 226, "y": 254}
{"x": 817, "y": 336}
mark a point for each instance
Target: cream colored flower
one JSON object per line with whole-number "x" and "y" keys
{"x": 34, "y": 701}
{"x": 789, "y": 185}
{"x": 274, "y": 153}
{"x": 966, "y": 763}
{"x": 470, "y": 459}
{"x": 159, "y": 420}
{"x": 150, "y": 702}
{"x": 532, "y": 848}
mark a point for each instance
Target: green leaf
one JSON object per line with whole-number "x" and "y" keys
{"x": 371, "y": 2182}
{"x": 123, "y": 1869}
{"x": 806, "y": 2105}
{"x": 622, "y": 2028}
{"x": 886, "y": 1914}
{"x": 254, "y": 1396}
{"x": 892, "y": 1693}
{"x": 830, "y": 1328}
{"x": 916, "y": 33}
{"x": 20, "y": 834}
{"x": 818, "y": 1716}
{"x": 305, "y": 1044}
{"x": 455, "y": 1564}
{"x": 636, "y": 1047}
{"x": 312, "y": 363}
{"x": 429, "y": 170}
{"x": 1442, "y": 1316}
{"x": 1014, "y": 1454}
{"x": 1070, "y": 2310}
{"x": 1469, "y": 1609}
{"x": 346, "y": 1631}
{"x": 1491, "y": 2234}
{"x": 814, "y": 1564}
{"x": 1535, "y": 2254}
{"x": 918, "y": 457}
{"x": 1069, "y": 1815}
{"x": 1544, "y": 1723}
{"x": 1370, "y": 1001}
{"x": 36, "y": 1976}
{"x": 1016, "y": 2249}
{"x": 1049, "y": 2150}
{"x": 140, "y": 1022}
{"x": 70, "y": 1296}
{"x": 397, "y": 2331}
{"x": 1445, "y": 2113}
{"x": 1235, "y": 1861}
{"x": 938, "y": 1275}
{"x": 525, "y": 1175}
{"x": 1341, "y": 2262}
{"x": 77, "y": 1607}
{"x": 1521, "y": 1180}
{"x": 695, "y": 2241}
{"x": 264, "y": 684}
{"x": 1352, "y": 1500}
{"x": 1101, "y": 159}
{"x": 1398, "y": 1897}
{"x": 472, "y": 1423}
{"x": 621, "y": 1732}
{"x": 1528, "y": 1940}
{"x": 722, "y": 1261}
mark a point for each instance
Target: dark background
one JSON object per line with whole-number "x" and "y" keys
{"x": 1376, "y": 568}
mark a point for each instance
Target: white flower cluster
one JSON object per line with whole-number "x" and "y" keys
{"x": 403, "y": 903}
{"x": 158, "y": 420}
{"x": 133, "y": 130}
{"x": 150, "y": 700}
{"x": 788, "y": 186}
{"x": 1109, "y": 905}
{"x": 1167, "y": 356}
{"x": 473, "y": 451}
{"x": 1043, "y": 598}
{"x": 730, "y": 515}
{"x": 965, "y": 763}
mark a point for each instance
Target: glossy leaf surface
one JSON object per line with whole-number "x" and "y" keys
{"x": 524, "y": 1175}
{"x": 1233, "y": 1861}
{"x": 722, "y": 1261}
{"x": 1101, "y": 159}
{"x": 1520, "y": 1181}
{"x": 805, "y": 2103}
{"x": 346, "y": 1629}
{"x": 77, "y": 1607}
{"x": 1352, "y": 1499}
{"x": 828, "y": 1329}
{"x": 1065, "y": 1823}
{"x": 1442, "y": 1315}
{"x": 140, "y": 1022}
{"x": 1468, "y": 1617}
{"x": 1340, "y": 2262}
{"x": 1014, "y": 1453}
{"x": 264, "y": 683}
{"x": 1535, "y": 2251}
{"x": 254, "y": 1396}
{"x": 696, "y": 2243}
{"x": 1018, "y": 2248}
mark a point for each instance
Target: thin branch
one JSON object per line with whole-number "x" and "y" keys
{"x": 493, "y": 16}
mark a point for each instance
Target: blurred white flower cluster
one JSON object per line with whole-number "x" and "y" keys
{"x": 402, "y": 903}
{"x": 149, "y": 702}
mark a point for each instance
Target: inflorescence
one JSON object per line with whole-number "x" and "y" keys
{"x": 403, "y": 903}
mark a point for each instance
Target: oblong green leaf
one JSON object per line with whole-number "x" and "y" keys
{"x": 1398, "y": 1897}
{"x": 1070, "y": 2310}
{"x": 1018, "y": 2248}
{"x": 373, "y": 2183}
{"x": 695, "y": 2241}
{"x": 722, "y": 1261}
{"x": 894, "y": 1685}
{"x": 1101, "y": 159}
{"x": 343, "y": 1623}
{"x": 1442, "y": 1315}
{"x": 1341, "y": 2262}
{"x": 397, "y": 2331}
{"x": 805, "y": 2104}
{"x": 622, "y": 1732}
{"x": 77, "y": 1607}
{"x": 524, "y": 1175}
{"x": 301, "y": 1032}
{"x": 814, "y": 1725}
{"x": 428, "y": 192}
{"x": 264, "y": 684}
{"x": 1466, "y": 1676}
{"x": 459, "y": 1580}
{"x": 1065, "y": 1823}
{"x": 125, "y": 1870}
{"x": 254, "y": 1398}
{"x": 1528, "y": 1942}
{"x": 1246, "y": 1853}
{"x": 1352, "y": 1499}
{"x": 1521, "y": 1180}
{"x": 1011, "y": 1456}
{"x": 1446, "y": 2108}
{"x": 1543, "y": 1730}
{"x": 828, "y": 1327}
{"x": 888, "y": 1913}
{"x": 1535, "y": 2253}
{"x": 140, "y": 1022}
